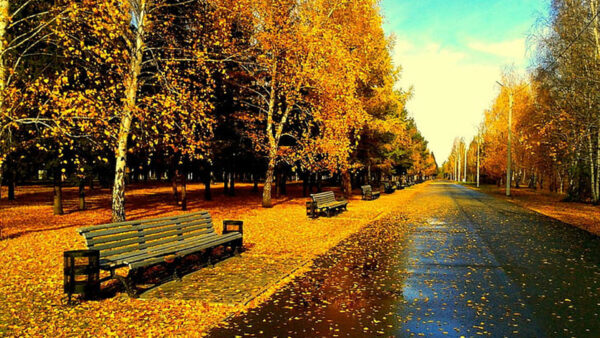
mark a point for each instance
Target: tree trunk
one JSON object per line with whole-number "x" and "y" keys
{"x": 278, "y": 180}
{"x": 225, "y": 183}
{"x": 598, "y": 167}
{"x": 561, "y": 184}
{"x": 255, "y": 185}
{"x": 283, "y": 183}
{"x": 4, "y": 22}
{"x": 319, "y": 182}
{"x": 305, "y": 178}
{"x": 346, "y": 184}
{"x": 266, "y": 199}
{"x": 82, "y": 194}
{"x": 57, "y": 205}
{"x": 465, "y": 173}
{"x": 11, "y": 186}
{"x": 478, "y": 163}
{"x": 459, "y": 172}
{"x": 206, "y": 177}
{"x": 184, "y": 191}
{"x": 231, "y": 184}
{"x": 592, "y": 169}
{"x": 174, "y": 176}
{"x": 596, "y": 28}
{"x": 131, "y": 89}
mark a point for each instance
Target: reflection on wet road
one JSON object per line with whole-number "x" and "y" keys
{"x": 454, "y": 262}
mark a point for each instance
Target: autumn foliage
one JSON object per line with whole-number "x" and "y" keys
{"x": 178, "y": 88}
{"x": 555, "y": 127}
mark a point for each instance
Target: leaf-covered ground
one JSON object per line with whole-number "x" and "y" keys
{"x": 31, "y": 259}
{"x": 581, "y": 215}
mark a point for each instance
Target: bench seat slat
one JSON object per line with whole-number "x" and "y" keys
{"x": 204, "y": 243}
{"x": 138, "y": 262}
{"x": 333, "y": 204}
{"x": 147, "y": 238}
{"x": 135, "y": 233}
{"x": 158, "y": 250}
{"x": 137, "y": 222}
{"x": 155, "y": 243}
{"x": 141, "y": 226}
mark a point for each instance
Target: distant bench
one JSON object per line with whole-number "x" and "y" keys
{"x": 388, "y": 187}
{"x": 326, "y": 202}
{"x": 368, "y": 194}
{"x": 143, "y": 243}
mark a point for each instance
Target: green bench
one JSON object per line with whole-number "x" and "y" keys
{"x": 326, "y": 202}
{"x": 368, "y": 194}
{"x": 388, "y": 187}
{"x": 144, "y": 243}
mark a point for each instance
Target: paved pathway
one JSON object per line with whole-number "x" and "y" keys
{"x": 454, "y": 262}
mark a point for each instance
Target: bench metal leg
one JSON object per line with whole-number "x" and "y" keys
{"x": 127, "y": 283}
{"x": 172, "y": 267}
{"x": 238, "y": 246}
{"x": 209, "y": 259}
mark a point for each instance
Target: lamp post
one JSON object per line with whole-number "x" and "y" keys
{"x": 508, "y": 152}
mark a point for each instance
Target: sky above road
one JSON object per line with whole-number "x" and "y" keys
{"x": 452, "y": 52}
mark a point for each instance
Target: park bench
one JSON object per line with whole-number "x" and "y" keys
{"x": 144, "y": 243}
{"x": 388, "y": 187}
{"x": 368, "y": 194}
{"x": 326, "y": 202}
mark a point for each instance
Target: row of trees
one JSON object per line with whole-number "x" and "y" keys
{"x": 245, "y": 88}
{"x": 555, "y": 111}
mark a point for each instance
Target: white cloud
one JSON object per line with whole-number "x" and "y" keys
{"x": 452, "y": 89}
{"x": 508, "y": 50}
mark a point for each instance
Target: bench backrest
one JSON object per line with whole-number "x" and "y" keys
{"x": 118, "y": 238}
{"x": 366, "y": 189}
{"x": 323, "y": 198}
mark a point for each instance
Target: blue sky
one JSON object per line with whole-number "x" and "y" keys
{"x": 452, "y": 52}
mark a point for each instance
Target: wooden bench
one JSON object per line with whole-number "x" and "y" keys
{"x": 388, "y": 187}
{"x": 368, "y": 194}
{"x": 143, "y": 243}
{"x": 326, "y": 202}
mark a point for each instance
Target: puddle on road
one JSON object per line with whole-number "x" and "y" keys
{"x": 352, "y": 291}
{"x": 435, "y": 221}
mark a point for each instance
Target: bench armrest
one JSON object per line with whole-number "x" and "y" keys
{"x": 233, "y": 226}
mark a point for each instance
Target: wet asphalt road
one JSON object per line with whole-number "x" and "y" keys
{"x": 454, "y": 262}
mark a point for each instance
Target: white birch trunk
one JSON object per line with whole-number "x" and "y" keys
{"x": 131, "y": 88}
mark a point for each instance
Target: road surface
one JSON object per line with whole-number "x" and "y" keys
{"x": 454, "y": 262}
